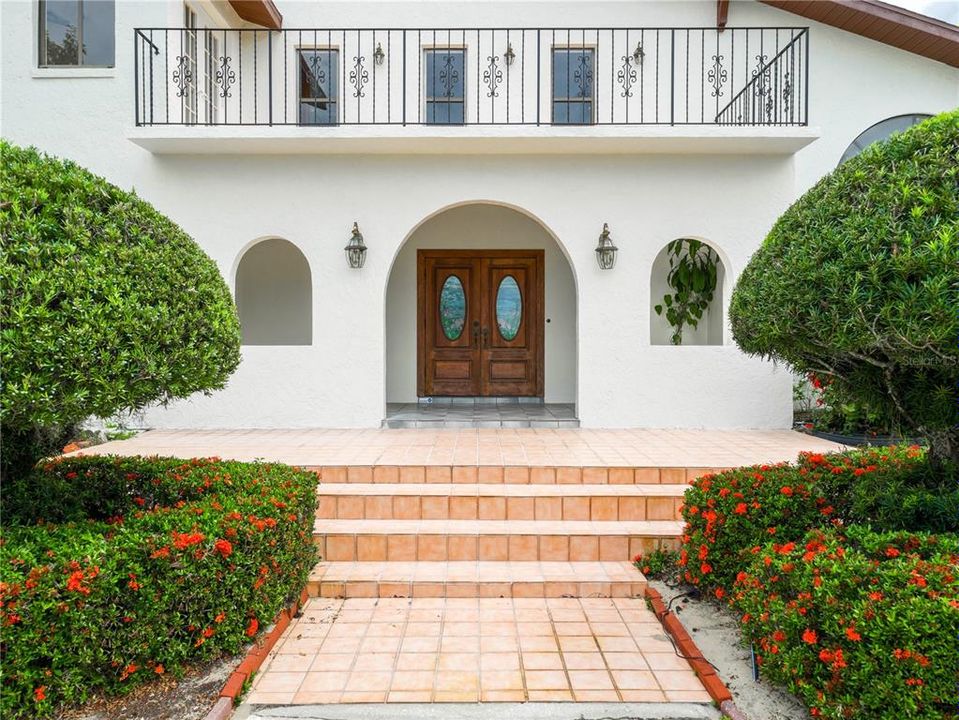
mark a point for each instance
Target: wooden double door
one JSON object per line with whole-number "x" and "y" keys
{"x": 480, "y": 322}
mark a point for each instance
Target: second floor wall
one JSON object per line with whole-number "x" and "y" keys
{"x": 560, "y": 67}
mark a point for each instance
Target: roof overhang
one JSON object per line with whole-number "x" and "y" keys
{"x": 258, "y": 12}
{"x": 884, "y": 23}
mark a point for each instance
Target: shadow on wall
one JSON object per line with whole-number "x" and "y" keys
{"x": 274, "y": 294}
{"x": 710, "y": 328}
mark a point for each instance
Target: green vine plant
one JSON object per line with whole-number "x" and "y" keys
{"x": 692, "y": 277}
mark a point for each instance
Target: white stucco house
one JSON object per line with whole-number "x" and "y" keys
{"x": 479, "y": 149}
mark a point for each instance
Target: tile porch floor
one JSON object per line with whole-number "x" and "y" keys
{"x": 364, "y": 650}
{"x": 529, "y": 447}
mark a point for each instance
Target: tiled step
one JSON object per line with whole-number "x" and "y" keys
{"x": 476, "y": 579}
{"x": 481, "y": 501}
{"x": 493, "y": 540}
{"x": 509, "y": 474}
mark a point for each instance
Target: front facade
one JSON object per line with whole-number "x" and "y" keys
{"x": 479, "y": 149}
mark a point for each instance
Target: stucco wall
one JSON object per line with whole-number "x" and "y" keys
{"x": 343, "y": 378}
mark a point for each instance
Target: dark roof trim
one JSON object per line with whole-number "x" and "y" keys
{"x": 889, "y": 24}
{"x": 722, "y": 14}
{"x": 258, "y": 12}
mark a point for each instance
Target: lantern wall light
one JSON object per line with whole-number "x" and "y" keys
{"x": 356, "y": 249}
{"x": 378, "y": 55}
{"x": 605, "y": 250}
{"x": 509, "y": 55}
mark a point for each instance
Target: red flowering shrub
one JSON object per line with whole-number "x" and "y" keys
{"x": 731, "y": 515}
{"x": 152, "y": 564}
{"x": 857, "y": 624}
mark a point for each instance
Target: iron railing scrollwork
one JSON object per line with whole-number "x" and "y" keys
{"x": 755, "y": 76}
{"x": 772, "y": 96}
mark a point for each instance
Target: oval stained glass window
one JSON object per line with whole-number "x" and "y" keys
{"x": 452, "y": 308}
{"x": 509, "y": 308}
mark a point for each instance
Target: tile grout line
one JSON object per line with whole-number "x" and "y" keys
{"x": 559, "y": 646}
{"x": 399, "y": 649}
{"x": 642, "y": 653}
{"x": 439, "y": 650}
{"x": 519, "y": 650}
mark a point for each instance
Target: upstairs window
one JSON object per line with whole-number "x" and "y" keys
{"x": 77, "y": 33}
{"x": 318, "y": 87}
{"x": 445, "y": 87}
{"x": 573, "y": 86}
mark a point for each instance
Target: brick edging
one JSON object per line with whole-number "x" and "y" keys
{"x": 223, "y": 707}
{"x": 684, "y": 643}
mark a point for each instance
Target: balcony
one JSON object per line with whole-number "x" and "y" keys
{"x": 519, "y": 87}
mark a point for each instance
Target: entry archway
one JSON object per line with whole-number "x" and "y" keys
{"x": 482, "y": 226}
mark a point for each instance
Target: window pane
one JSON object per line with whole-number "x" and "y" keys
{"x": 573, "y": 113}
{"x": 441, "y": 112}
{"x": 445, "y": 87}
{"x": 98, "y": 32}
{"x": 573, "y": 86}
{"x": 318, "y": 86}
{"x": 572, "y": 73}
{"x": 60, "y": 26}
{"x": 444, "y": 74}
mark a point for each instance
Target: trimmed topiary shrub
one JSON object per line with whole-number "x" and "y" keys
{"x": 105, "y": 305}
{"x": 859, "y": 282}
{"x": 857, "y": 624}
{"x": 139, "y": 566}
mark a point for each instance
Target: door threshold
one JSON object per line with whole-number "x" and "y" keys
{"x": 480, "y": 415}
{"x": 480, "y": 400}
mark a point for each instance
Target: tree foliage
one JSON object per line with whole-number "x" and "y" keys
{"x": 106, "y": 304}
{"x": 859, "y": 281}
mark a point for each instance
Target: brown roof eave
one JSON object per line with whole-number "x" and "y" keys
{"x": 901, "y": 28}
{"x": 258, "y": 12}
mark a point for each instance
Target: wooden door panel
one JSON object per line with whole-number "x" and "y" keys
{"x": 487, "y": 339}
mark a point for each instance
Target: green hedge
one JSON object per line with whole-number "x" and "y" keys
{"x": 105, "y": 305}
{"x": 858, "y": 624}
{"x": 857, "y": 282}
{"x": 116, "y": 570}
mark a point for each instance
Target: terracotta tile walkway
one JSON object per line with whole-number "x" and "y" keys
{"x": 475, "y": 649}
{"x": 496, "y": 447}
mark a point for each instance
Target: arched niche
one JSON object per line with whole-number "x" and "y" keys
{"x": 274, "y": 294}
{"x": 709, "y": 331}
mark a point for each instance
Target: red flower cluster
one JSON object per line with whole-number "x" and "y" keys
{"x": 181, "y": 541}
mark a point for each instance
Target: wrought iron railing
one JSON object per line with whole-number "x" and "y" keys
{"x": 478, "y": 76}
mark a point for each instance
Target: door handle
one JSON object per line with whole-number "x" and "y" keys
{"x": 476, "y": 332}
{"x": 485, "y": 337}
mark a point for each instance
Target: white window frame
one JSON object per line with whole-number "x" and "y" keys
{"x": 67, "y": 71}
{"x": 592, "y": 99}
{"x": 295, "y": 74}
{"x": 425, "y": 102}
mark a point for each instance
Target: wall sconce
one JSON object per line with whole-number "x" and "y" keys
{"x": 509, "y": 56}
{"x": 356, "y": 249}
{"x": 605, "y": 250}
{"x": 378, "y": 55}
{"x": 639, "y": 54}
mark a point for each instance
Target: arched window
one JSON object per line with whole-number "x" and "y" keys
{"x": 709, "y": 327}
{"x": 880, "y": 131}
{"x": 274, "y": 295}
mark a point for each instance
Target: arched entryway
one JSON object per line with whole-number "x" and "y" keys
{"x": 498, "y": 282}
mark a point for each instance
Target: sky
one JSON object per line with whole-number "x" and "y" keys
{"x": 947, "y": 10}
